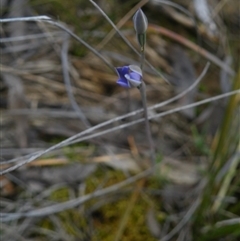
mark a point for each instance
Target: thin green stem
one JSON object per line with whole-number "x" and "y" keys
{"x": 142, "y": 60}
{"x": 142, "y": 90}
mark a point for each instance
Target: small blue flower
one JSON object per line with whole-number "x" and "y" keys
{"x": 129, "y": 76}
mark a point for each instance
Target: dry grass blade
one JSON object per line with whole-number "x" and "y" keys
{"x": 66, "y": 77}
{"x": 73, "y": 138}
{"x": 120, "y": 24}
{"x": 192, "y": 46}
{"x": 76, "y": 139}
{"x": 59, "y": 25}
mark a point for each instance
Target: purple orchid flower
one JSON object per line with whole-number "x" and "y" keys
{"x": 129, "y": 76}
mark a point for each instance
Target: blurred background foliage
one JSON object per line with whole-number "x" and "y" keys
{"x": 195, "y": 192}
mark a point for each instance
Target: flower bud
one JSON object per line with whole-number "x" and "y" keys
{"x": 140, "y": 22}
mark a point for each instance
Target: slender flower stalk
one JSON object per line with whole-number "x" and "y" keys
{"x": 142, "y": 90}
{"x": 140, "y": 24}
{"x": 142, "y": 60}
{"x": 131, "y": 76}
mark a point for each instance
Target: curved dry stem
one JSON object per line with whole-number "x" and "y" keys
{"x": 120, "y": 24}
{"x": 31, "y": 36}
{"x": 126, "y": 41}
{"x": 193, "y": 46}
{"x": 59, "y": 25}
{"x": 71, "y": 139}
{"x": 168, "y": 112}
{"x": 25, "y": 19}
{"x": 67, "y": 81}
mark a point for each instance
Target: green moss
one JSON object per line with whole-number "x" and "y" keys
{"x": 109, "y": 216}
{"x": 78, "y": 152}
{"x": 106, "y": 175}
{"x": 60, "y": 195}
{"x": 47, "y": 224}
{"x": 135, "y": 229}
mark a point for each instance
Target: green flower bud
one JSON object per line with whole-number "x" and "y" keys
{"x": 140, "y": 22}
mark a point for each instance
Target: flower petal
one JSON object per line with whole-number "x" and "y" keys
{"x": 123, "y": 82}
{"x": 134, "y": 79}
{"x": 122, "y": 71}
{"x": 136, "y": 69}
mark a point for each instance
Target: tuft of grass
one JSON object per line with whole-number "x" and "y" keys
{"x": 222, "y": 179}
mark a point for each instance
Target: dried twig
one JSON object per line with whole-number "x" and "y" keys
{"x": 25, "y": 19}
{"x": 69, "y": 140}
{"x": 75, "y": 139}
{"x": 120, "y": 24}
{"x": 208, "y": 100}
{"x": 74, "y": 202}
{"x": 59, "y": 25}
{"x": 66, "y": 77}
